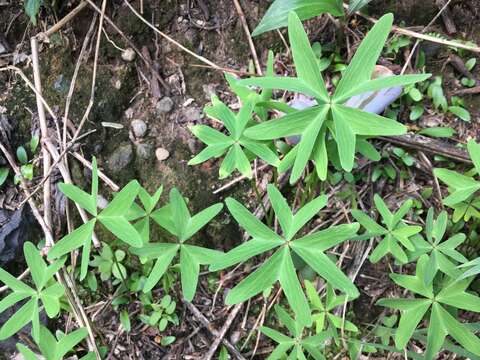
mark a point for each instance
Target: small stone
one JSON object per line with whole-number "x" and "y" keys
{"x": 162, "y": 154}
{"x": 128, "y": 55}
{"x": 144, "y": 151}
{"x": 139, "y": 128}
{"x": 120, "y": 158}
{"x": 165, "y": 105}
{"x": 193, "y": 114}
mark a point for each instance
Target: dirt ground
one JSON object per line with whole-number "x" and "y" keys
{"x": 128, "y": 91}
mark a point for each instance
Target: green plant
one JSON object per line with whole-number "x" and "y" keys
{"x": 47, "y": 291}
{"x": 441, "y": 254}
{"x": 110, "y": 263}
{"x": 55, "y": 349}
{"x": 235, "y": 144}
{"x": 246, "y": 95}
{"x": 113, "y": 217}
{"x": 404, "y": 156}
{"x": 463, "y": 188}
{"x": 297, "y": 341}
{"x": 3, "y": 175}
{"x": 161, "y": 313}
{"x": 330, "y": 120}
{"x": 394, "y": 232}
{"x": 441, "y": 323}
{"x": 145, "y": 214}
{"x": 277, "y": 14}
{"x": 32, "y": 7}
{"x": 322, "y": 313}
{"x": 178, "y": 222}
{"x": 280, "y": 266}
{"x": 385, "y": 330}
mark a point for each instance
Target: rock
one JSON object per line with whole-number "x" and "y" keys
{"x": 165, "y": 105}
{"x": 139, "y": 128}
{"x": 162, "y": 154}
{"x": 193, "y": 114}
{"x": 144, "y": 151}
{"x": 128, "y": 55}
{"x": 120, "y": 158}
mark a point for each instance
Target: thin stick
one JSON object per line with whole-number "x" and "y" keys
{"x": 74, "y": 78}
{"x": 223, "y": 331}
{"x": 101, "y": 174}
{"x": 47, "y": 205}
{"x": 224, "y": 69}
{"x": 45, "y": 35}
{"x": 429, "y": 145}
{"x": 19, "y": 277}
{"x": 149, "y": 64}
{"x": 249, "y": 36}
{"x": 49, "y": 149}
{"x": 62, "y": 275}
{"x": 68, "y": 180}
{"x": 399, "y": 30}
{"x": 205, "y": 322}
{"x": 31, "y": 86}
{"x": 236, "y": 180}
{"x": 165, "y": 36}
{"x": 412, "y": 52}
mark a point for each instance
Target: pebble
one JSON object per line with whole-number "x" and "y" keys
{"x": 193, "y": 114}
{"x": 139, "y": 128}
{"x": 144, "y": 151}
{"x": 162, "y": 154}
{"x": 128, "y": 55}
{"x": 120, "y": 158}
{"x": 165, "y": 105}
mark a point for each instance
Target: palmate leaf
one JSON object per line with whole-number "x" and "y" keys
{"x": 442, "y": 254}
{"x": 441, "y": 322}
{"x": 143, "y": 215}
{"x": 461, "y": 187}
{"x": 395, "y": 233}
{"x": 176, "y": 219}
{"x": 323, "y": 313}
{"x": 115, "y": 217}
{"x": 277, "y": 14}
{"x": 344, "y": 124}
{"x": 233, "y": 145}
{"x": 49, "y": 296}
{"x": 279, "y": 267}
{"x": 301, "y": 345}
{"x": 50, "y": 348}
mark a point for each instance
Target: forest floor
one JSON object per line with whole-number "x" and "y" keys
{"x": 165, "y": 89}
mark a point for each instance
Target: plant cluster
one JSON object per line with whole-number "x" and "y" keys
{"x": 330, "y": 136}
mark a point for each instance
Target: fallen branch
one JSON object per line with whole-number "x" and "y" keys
{"x": 238, "y": 7}
{"x": 417, "y": 35}
{"x": 223, "y": 331}
{"x": 429, "y": 145}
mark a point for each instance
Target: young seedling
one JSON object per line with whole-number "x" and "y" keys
{"x": 394, "y": 232}
{"x": 113, "y": 217}
{"x": 441, "y": 254}
{"x": 235, "y": 144}
{"x": 246, "y": 94}
{"x": 462, "y": 188}
{"x": 47, "y": 290}
{"x": 322, "y": 313}
{"x": 297, "y": 343}
{"x": 441, "y": 322}
{"x": 142, "y": 215}
{"x": 176, "y": 219}
{"x": 330, "y": 117}
{"x": 279, "y": 267}
{"x": 53, "y": 349}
